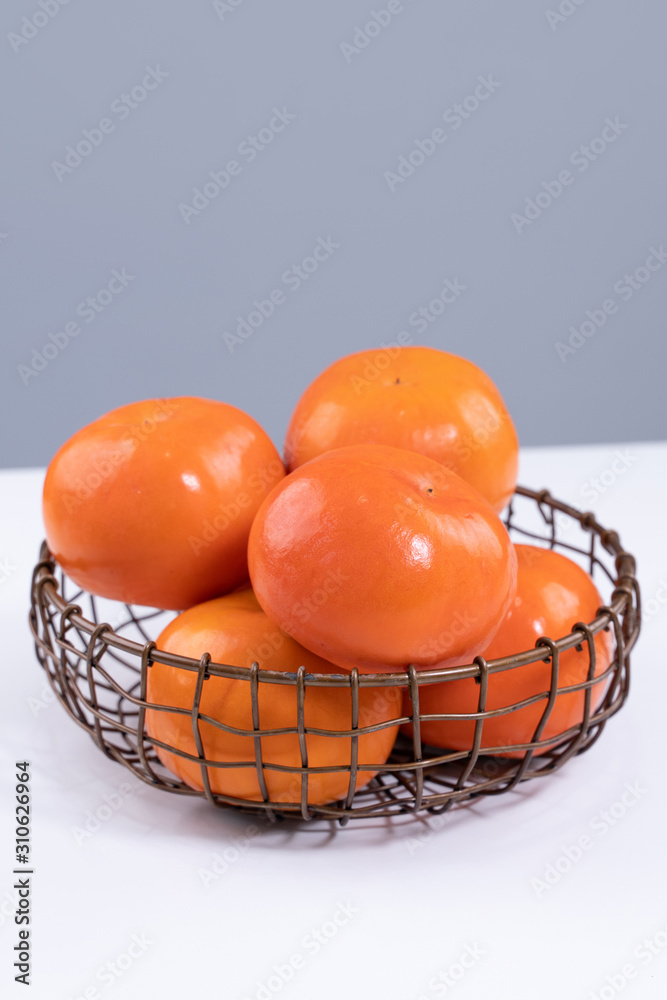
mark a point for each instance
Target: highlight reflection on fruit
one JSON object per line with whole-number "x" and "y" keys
{"x": 152, "y": 503}
{"x": 413, "y": 565}
{"x": 377, "y": 548}
{"x": 417, "y": 398}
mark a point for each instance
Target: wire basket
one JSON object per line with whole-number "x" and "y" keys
{"x": 99, "y": 674}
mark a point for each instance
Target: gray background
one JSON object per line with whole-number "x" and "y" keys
{"x": 324, "y": 176}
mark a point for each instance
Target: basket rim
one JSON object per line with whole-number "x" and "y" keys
{"x": 625, "y": 586}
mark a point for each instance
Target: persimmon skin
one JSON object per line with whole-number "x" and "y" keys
{"x": 418, "y": 398}
{"x": 378, "y": 557}
{"x": 152, "y": 503}
{"x": 553, "y": 593}
{"x": 235, "y": 631}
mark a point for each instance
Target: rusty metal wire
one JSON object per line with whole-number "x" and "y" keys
{"x": 99, "y": 675}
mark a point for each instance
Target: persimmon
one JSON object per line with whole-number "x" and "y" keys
{"x": 378, "y": 557}
{"x": 152, "y": 503}
{"x": 418, "y": 398}
{"x": 235, "y": 631}
{"x": 553, "y": 593}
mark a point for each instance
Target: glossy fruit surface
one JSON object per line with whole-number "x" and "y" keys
{"x": 152, "y": 503}
{"x": 418, "y": 398}
{"x": 235, "y": 631}
{"x": 552, "y": 594}
{"x": 378, "y": 557}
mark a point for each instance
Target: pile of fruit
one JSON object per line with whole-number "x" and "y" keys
{"x": 376, "y": 544}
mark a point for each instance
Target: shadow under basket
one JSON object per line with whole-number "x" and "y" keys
{"x": 99, "y": 674}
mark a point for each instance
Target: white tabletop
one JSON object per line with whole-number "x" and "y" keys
{"x": 169, "y": 891}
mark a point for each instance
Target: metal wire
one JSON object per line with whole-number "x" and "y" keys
{"x": 99, "y": 675}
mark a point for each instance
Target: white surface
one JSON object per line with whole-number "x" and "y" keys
{"x": 422, "y": 895}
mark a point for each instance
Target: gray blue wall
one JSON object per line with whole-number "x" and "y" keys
{"x": 509, "y": 101}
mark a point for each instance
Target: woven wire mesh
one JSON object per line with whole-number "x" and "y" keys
{"x": 98, "y": 668}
